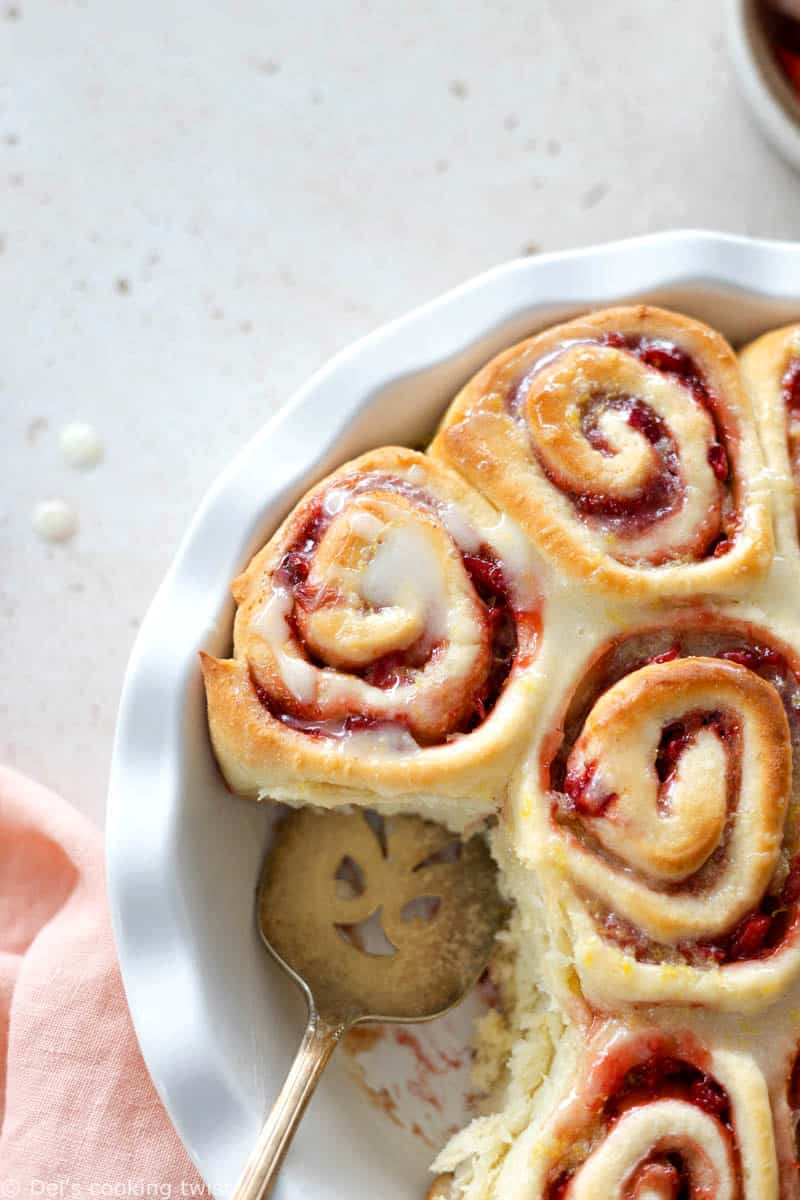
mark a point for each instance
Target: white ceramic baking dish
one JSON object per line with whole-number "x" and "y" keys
{"x": 216, "y": 1021}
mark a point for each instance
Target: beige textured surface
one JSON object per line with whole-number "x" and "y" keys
{"x": 199, "y": 203}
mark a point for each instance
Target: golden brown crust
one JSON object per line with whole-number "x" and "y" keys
{"x": 481, "y": 437}
{"x": 309, "y": 668}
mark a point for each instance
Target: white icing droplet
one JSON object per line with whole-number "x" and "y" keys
{"x": 81, "y": 445}
{"x": 54, "y": 520}
{"x": 271, "y": 621}
{"x": 392, "y": 739}
{"x": 416, "y": 475}
{"x": 335, "y": 501}
{"x": 299, "y": 676}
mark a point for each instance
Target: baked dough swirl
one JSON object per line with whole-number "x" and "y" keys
{"x": 623, "y": 443}
{"x": 379, "y": 644}
{"x": 670, "y": 792}
{"x": 650, "y": 1114}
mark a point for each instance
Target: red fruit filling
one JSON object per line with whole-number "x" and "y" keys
{"x": 784, "y": 36}
{"x": 759, "y": 933}
{"x": 661, "y": 494}
{"x": 755, "y": 658}
{"x": 587, "y": 801}
{"x": 662, "y": 1076}
{"x": 396, "y": 669}
{"x": 666, "y": 357}
{"x": 491, "y": 586}
{"x": 790, "y": 62}
{"x": 793, "y": 1098}
{"x": 678, "y": 735}
{"x": 718, "y": 461}
{"x": 667, "y": 656}
{"x": 791, "y": 387}
{"x": 723, "y": 545}
{"x": 664, "y": 491}
{"x": 794, "y": 1085}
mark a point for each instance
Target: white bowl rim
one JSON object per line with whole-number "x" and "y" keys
{"x": 139, "y": 823}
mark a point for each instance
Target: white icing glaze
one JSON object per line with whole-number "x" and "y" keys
{"x": 517, "y": 558}
{"x": 270, "y": 624}
{"x": 54, "y": 520}
{"x": 406, "y": 571}
{"x": 382, "y": 742}
{"x": 364, "y": 524}
{"x": 81, "y": 445}
{"x": 298, "y": 675}
{"x": 460, "y": 527}
{"x": 335, "y": 501}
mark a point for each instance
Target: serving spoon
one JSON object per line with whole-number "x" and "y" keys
{"x": 375, "y": 921}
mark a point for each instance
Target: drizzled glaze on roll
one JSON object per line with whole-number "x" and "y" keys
{"x": 386, "y": 628}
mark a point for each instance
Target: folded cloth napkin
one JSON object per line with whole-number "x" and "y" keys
{"x": 79, "y": 1116}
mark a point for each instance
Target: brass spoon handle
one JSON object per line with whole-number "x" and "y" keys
{"x": 261, "y": 1171}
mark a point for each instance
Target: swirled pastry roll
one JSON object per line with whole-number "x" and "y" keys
{"x": 623, "y": 443}
{"x": 771, "y": 372}
{"x": 383, "y": 646}
{"x": 664, "y": 819}
{"x": 646, "y": 1114}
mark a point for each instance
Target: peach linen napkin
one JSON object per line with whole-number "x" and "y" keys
{"x": 79, "y": 1116}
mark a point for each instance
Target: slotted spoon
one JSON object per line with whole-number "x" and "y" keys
{"x": 375, "y": 921}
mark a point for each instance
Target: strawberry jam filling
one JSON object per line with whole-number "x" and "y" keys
{"x": 783, "y": 33}
{"x": 794, "y": 1085}
{"x": 664, "y": 356}
{"x": 793, "y": 1099}
{"x": 589, "y": 801}
{"x": 791, "y": 388}
{"x": 761, "y": 932}
{"x": 679, "y": 735}
{"x": 586, "y": 800}
{"x": 663, "y": 493}
{"x": 388, "y": 671}
{"x": 660, "y": 1076}
{"x": 577, "y": 799}
{"x": 791, "y": 395}
{"x": 718, "y": 461}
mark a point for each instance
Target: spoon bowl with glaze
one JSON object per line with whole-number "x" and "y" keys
{"x": 375, "y": 920}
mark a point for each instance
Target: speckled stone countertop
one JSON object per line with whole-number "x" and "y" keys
{"x": 200, "y": 202}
